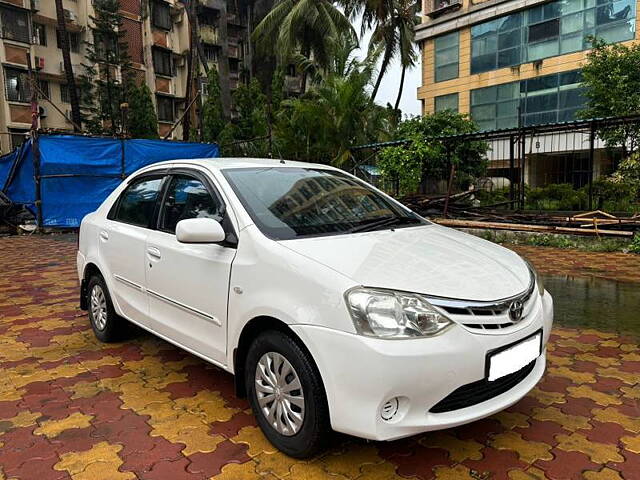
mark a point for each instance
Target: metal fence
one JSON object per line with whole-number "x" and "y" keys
{"x": 522, "y": 162}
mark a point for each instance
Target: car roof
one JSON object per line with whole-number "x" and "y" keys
{"x": 224, "y": 163}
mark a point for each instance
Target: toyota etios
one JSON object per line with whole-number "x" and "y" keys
{"x": 335, "y": 307}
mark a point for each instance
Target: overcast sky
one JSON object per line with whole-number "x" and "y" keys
{"x": 388, "y": 91}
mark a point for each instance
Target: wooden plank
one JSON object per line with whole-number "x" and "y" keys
{"x": 448, "y": 222}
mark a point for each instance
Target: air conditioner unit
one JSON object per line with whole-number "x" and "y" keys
{"x": 35, "y": 5}
{"x": 39, "y": 63}
{"x": 70, "y": 16}
{"x": 42, "y": 112}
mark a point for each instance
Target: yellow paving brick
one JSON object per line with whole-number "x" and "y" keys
{"x": 631, "y": 443}
{"x": 597, "y": 452}
{"x": 459, "y": 472}
{"x": 529, "y": 474}
{"x": 611, "y": 372}
{"x": 574, "y": 376}
{"x": 312, "y": 471}
{"x": 601, "y": 398}
{"x": 275, "y": 463}
{"x": 243, "y": 471}
{"x": 630, "y": 357}
{"x": 511, "y": 419}
{"x": 601, "y": 361}
{"x": 559, "y": 361}
{"x": 210, "y": 405}
{"x": 257, "y": 442}
{"x": 459, "y": 450}
{"x": 632, "y": 392}
{"x": 350, "y": 461}
{"x": 23, "y": 419}
{"x": 604, "y": 474}
{"x": 383, "y": 471}
{"x": 85, "y": 389}
{"x": 547, "y": 398}
{"x": 77, "y": 463}
{"x": 612, "y": 414}
{"x": 527, "y": 450}
{"x": 53, "y": 428}
{"x": 578, "y": 345}
{"x": 568, "y": 422}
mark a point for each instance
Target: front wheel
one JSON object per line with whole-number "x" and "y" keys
{"x": 286, "y": 394}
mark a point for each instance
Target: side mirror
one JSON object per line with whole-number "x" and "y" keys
{"x": 199, "y": 230}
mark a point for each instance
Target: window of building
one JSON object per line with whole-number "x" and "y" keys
{"x": 166, "y": 108}
{"x": 162, "y": 63}
{"x": 138, "y": 201}
{"x": 17, "y": 85}
{"x": 15, "y": 24}
{"x": 44, "y": 87}
{"x": 74, "y": 41}
{"x": 447, "y": 102}
{"x": 39, "y": 34}
{"x": 446, "y": 56}
{"x": 161, "y": 15}
{"x": 18, "y": 137}
{"x": 547, "y": 30}
{"x": 210, "y": 53}
{"x": 65, "y": 96}
{"x": 548, "y": 99}
{"x": 106, "y": 45}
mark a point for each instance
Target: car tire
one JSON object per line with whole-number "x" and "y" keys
{"x": 299, "y": 428}
{"x": 106, "y": 324}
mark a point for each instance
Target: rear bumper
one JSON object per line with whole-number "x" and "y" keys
{"x": 360, "y": 374}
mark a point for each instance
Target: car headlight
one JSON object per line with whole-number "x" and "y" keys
{"x": 536, "y": 278}
{"x": 391, "y": 314}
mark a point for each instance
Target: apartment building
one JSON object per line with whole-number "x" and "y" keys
{"x": 516, "y": 62}
{"x": 157, "y": 34}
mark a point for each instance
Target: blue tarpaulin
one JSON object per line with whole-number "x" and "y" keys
{"x": 77, "y": 173}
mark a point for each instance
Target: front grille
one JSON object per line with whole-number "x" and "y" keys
{"x": 481, "y": 391}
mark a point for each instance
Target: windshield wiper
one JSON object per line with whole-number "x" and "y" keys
{"x": 382, "y": 223}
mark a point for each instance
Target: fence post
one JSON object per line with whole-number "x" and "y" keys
{"x": 512, "y": 167}
{"x": 523, "y": 153}
{"x": 592, "y": 138}
{"x": 37, "y": 177}
{"x": 123, "y": 168}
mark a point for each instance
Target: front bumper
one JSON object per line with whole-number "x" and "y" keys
{"x": 361, "y": 373}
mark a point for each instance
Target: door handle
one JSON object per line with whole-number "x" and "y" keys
{"x": 154, "y": 253}
{"x": 104, "y": 236}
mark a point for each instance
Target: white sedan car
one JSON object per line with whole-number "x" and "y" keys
{"x": 335, "y": 307}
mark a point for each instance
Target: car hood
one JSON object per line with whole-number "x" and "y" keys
{"x": 428, "y": 259}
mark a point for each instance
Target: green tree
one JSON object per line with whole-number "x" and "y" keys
{"x": 307, "y": 27}
{"x": 611, "y": 77}
{"x": 335, "y": 115}
{"x": 428, "y": 155}
{"x": 142, "y": 120}
{"x": 213, "y": 119}
{"x": 105, "y": 81}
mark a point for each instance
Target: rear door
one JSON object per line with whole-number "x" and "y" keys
{"x": 122, "y": 244}
{"x": 188, "y": 284}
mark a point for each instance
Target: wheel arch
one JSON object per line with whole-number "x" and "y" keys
{"x": 90, "y": 269}
{"x": 251, "y": 330}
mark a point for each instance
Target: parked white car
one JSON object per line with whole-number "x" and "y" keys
{"x": 335, "y": 307}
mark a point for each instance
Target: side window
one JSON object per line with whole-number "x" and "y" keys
{"x": 137, "y": 202}
{"x": 187, "y": 197}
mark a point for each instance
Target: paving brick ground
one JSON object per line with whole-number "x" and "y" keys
{"x": 71, "y": 407}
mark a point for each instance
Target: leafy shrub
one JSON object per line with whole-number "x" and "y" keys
{"x": 557, "y": 196}
{"x": 613, "y": 195}
{"x": 634, "y": 246}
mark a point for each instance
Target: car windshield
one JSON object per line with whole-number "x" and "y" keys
{"x": 289, "y": 202}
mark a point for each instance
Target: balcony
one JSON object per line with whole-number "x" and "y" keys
{"x": 441, "y": 7}
{"x": 209, "y": 34}
{"x": 234, "y": 51}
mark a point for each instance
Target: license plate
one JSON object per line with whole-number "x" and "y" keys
{"x": 514, "y": 358}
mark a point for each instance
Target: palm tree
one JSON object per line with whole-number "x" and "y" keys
{"x": 307, "y": 27}
{"x": 393, "y": 23}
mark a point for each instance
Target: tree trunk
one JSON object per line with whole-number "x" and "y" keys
{"x": 383, "y": 69}
{"x": 68, "y": 67}
{"x": 404, "y": 70}
{"x": 223, "y": 61}
{"x": 191, "y": 63}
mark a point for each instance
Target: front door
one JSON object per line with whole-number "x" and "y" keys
{"x": 188, "y": 284}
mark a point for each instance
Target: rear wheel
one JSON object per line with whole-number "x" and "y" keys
{"x": 107, "y": 325}
{"x": 286, "y": 394}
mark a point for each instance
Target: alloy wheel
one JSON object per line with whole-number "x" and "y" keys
{"x": 99, "y": 307}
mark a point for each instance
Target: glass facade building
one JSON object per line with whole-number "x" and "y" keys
{"x": 447, "y": 102}
{"x": 548, "y": 30}
{"x": 547, "y": 99}
{"x": 447, "y": 48}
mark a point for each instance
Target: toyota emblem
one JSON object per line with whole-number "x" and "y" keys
{"x": 515, "y": 310}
